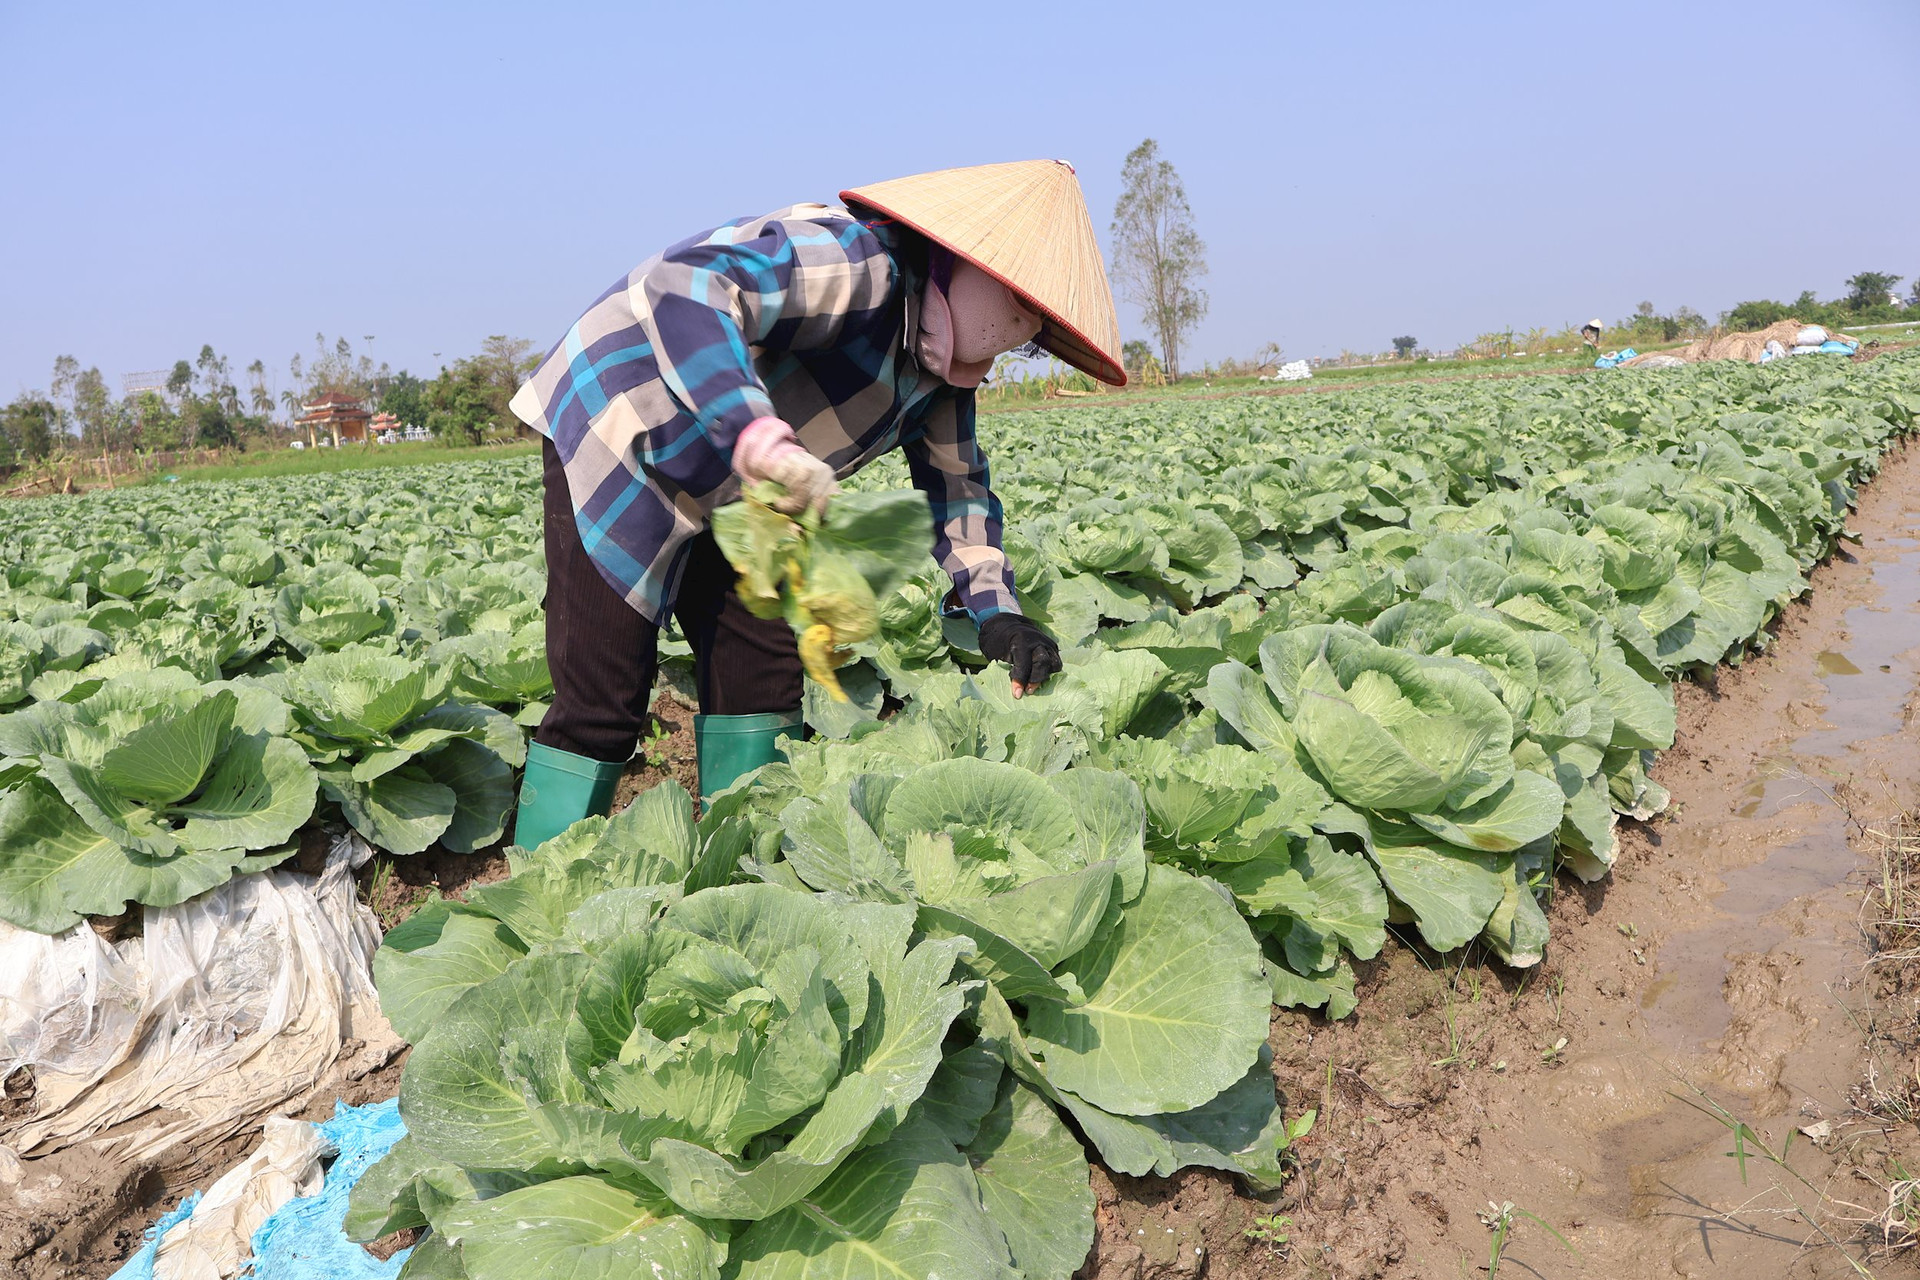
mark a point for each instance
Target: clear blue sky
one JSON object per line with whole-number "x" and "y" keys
{"x": 249, "y": 174}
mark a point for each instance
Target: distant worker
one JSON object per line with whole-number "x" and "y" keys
{"x": 1590, "y": 333}
{"x": 795, "y": 347}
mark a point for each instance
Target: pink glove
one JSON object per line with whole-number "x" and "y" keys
{"x": 768, "y": 450}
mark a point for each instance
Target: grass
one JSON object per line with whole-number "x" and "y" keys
{"x": 1896, "y": 899}
{"x": 1887, "y": 1099}
{"x": 264, "y": 462}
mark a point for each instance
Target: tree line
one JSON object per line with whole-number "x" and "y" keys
{"x": 1872, "y": 297}
{"x": 202, "y": 404}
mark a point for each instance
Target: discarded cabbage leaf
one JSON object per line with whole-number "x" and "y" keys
{"x": 825, "y": 576}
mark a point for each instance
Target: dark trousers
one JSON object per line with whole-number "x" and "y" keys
{"x": 604, "y": 656}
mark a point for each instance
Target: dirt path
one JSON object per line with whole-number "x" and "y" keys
{"x": 1721, "y": 965}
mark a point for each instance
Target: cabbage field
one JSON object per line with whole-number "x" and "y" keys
{"x": 1338, "y": 666}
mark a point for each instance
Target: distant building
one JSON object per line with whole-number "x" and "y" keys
{"x": 154, "y": 380}
{"x": 339, "y": 415}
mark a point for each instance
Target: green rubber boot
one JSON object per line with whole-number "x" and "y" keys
{"x": 559, "y": 789}
{"x": 730, "y": 747}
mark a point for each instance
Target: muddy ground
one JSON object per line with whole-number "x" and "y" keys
{"x": 1724, "y": 974}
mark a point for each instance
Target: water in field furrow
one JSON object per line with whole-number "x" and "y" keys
{"x": 1802, "y": 800}
{"x": 1754, "y": 988}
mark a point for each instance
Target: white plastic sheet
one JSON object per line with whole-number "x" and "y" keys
{"x": 215, "y": 1242}
{"x": 223, "y": 1009}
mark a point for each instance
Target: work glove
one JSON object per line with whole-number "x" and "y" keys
{"x": 1030, "y": 653}
{"x": 768, "y": 450}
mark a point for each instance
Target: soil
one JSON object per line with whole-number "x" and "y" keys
{"x": 85, "y": 1219}
{"x": 665, "y": 752}
{"x": 1725, "y": 974}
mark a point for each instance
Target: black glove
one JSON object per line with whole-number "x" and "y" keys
{"x": 1030, "y": 653}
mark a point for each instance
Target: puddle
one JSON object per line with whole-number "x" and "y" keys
{"x": 1834, "y": 664}
{"x": 1778, "y": 783}
{"x": 1869, "y": 683}
{"x": 1657, "y": 988}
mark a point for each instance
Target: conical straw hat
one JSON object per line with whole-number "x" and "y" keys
{"x": 1026, "y": 224}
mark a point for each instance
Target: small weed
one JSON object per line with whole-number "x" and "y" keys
{"x": 1457, "y": 1048}
{"x": 1899, "y": 1223}
{"x": 1556, "y": 988}
{"x": 382, "y": 875}
{"x": 377, "y": 891}
{"x": 1629, "y": 930}
{"x": 1272, "y": 1230}
{"x": 1499, "y": 1220}
{"x": 654, "y": 752}
{"x": 1522, "y": 987}
{"x": 1551, "y": 1054}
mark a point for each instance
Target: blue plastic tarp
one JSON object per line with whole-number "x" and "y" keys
{"x": 304, "y": 1239}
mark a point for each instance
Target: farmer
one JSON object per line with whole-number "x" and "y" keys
{"x": 795, "y": 347}
{"x": 1590, "y": 333}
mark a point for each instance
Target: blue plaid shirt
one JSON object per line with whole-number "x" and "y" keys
{"x": 806, "y": 314}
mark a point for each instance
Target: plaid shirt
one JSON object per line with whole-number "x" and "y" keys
{"x": 805, "y": 314}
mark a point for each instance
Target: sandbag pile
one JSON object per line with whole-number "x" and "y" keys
{"x": 1784, "y": 337}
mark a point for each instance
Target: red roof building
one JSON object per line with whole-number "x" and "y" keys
{"x": 342, "y": 416}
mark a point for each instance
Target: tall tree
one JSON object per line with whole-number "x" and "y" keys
{"x": 93, "y": 409}
{"x": 469, "y": 401}
{"x": 65, "y": 371}
{"x": 260, "y": 394}
{"x": 28, "y": 426}
{"x": 405, "y": 397}
{"x": 336, "y": 368}
{"x": 1157, "y": 255}
{"x": 1870, "y": 289}
{"x": 1403, "y": 347}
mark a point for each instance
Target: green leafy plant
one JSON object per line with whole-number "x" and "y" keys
{"x": 702, "y": 1073}
{"x": 151, "y": 789}
{"x": 407, "y": 765}
{"x": 1273, "y": 1230}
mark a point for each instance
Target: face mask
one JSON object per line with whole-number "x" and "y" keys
{"x": 967, "y": 319}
